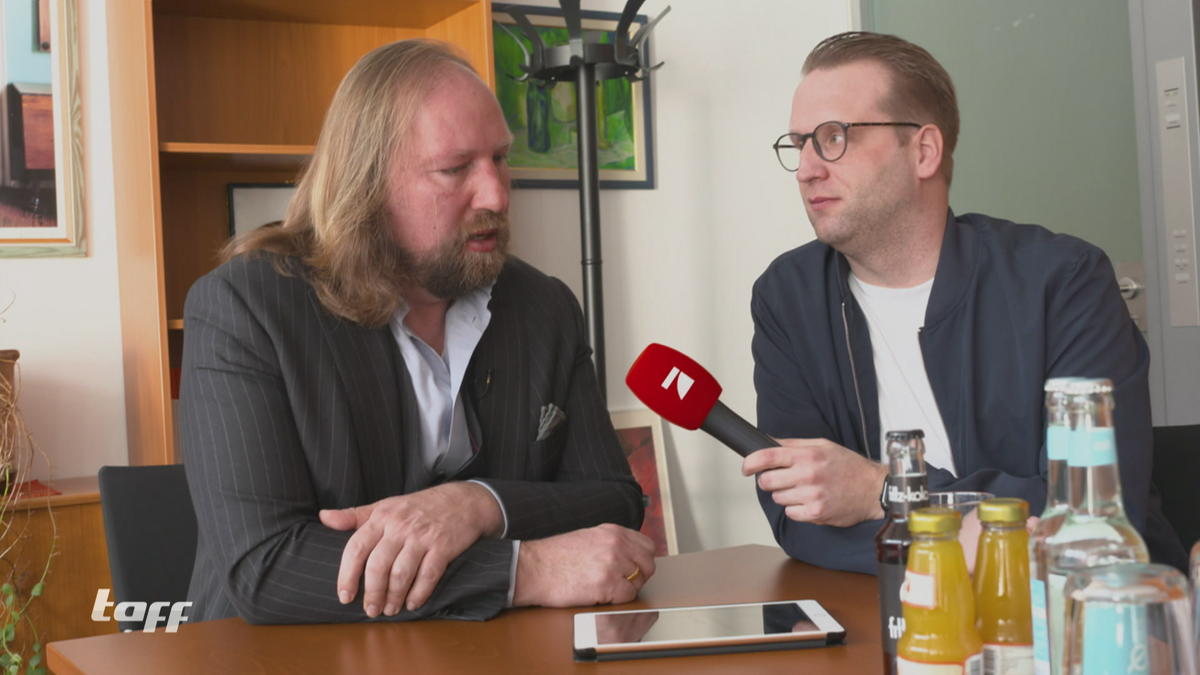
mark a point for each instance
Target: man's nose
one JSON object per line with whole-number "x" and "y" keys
{"x": 811, "y": 164}
{"x": 491, "y": 192}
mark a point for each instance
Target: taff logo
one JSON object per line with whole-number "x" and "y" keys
{"x": 683, "y": 383}
{"x": 136, "y": 611}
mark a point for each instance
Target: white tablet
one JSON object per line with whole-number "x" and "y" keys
{"x": 712, "y": 629}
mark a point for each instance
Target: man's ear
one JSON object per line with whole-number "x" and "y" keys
{"x": 928, "y": 140}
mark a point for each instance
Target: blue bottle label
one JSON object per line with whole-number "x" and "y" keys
{"x": 1115, "y": 639}
{"x": 1095, "y": 447}
{"x": 1041, "y": 630}
{"x": 1058, "y": 443}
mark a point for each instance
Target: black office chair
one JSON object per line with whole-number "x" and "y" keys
{"x": 1176, "y": 469}
{"x": 150, "y": 527}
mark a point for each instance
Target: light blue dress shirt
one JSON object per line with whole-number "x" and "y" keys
{"x": 445, "y": 443}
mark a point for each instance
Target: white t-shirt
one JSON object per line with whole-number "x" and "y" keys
{"x": 895, "y": 317}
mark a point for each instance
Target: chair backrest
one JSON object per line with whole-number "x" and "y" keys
{"x": 150, "y": 527}
{"x": 1176, "y": 468}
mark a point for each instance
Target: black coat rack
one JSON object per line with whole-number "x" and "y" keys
{"x": 585, "y": 62}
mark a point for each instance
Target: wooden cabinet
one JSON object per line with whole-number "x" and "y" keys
{"x": 211, "y": 92}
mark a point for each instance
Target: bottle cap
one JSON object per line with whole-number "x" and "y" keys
{"x": 1004, "y": 510}
{"x": 1089, "y": 386}
{"x": 1058, "y": 384}
{"x": 934, "y": 520}
{"x": 905, "y": 435}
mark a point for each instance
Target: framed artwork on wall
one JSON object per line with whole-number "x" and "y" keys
{"x": 41, "y": 132}
{"x": 252, "y": 205}
{"x": 543, "y": 120}
{"x": 641, "y": 436}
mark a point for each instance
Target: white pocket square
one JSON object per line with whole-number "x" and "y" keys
{"x": 552, "y": 418}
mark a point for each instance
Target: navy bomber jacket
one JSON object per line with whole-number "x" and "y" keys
{"x": 1011, "y": 306}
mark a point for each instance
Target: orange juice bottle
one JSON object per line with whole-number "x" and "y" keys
{"x": 940, "y": 637}
{"x": 1002, "y": 609}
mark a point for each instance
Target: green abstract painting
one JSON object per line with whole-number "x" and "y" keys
{"x": 543, "y": 120}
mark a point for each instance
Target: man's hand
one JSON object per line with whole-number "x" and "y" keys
{"x": 819, "y": 481}
{"x": 403, "y": 544}
{"x": 584, "y": 567}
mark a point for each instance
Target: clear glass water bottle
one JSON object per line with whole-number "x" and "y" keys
{"x": 1058, "y": 505}
{"x": 1096, "y": 532}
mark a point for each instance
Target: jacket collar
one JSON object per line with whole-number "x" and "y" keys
{"x": 955, "y": 269}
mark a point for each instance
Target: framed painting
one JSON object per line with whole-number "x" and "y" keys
{"x": 252, "y": 205}
{"x": 543, "y": 120}
{"x": 41, "y": 131}
{"x": 641, "y": 436}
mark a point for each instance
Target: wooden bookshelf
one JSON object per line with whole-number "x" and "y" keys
{"x": 211, "y": 92}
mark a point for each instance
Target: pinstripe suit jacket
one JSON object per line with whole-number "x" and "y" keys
{"x": 286, "y": 409}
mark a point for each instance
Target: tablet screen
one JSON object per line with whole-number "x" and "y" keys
{"x": 702, "y": 623}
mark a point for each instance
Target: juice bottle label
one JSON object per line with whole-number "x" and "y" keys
{"x": 919, "y": 590}
{"x": 972, "y": 666}
{"x": 1007, "y": 659}
{"x": 1116, "y": 639}
{"x": 891, "y": 612}
{"x": 1041, "y": 631}
{"x": 1056, "y": 608}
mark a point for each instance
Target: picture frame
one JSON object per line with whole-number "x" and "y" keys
{"x": 252, "y": 205}
{"x": 41, "y": 203}
{"x": 641, "y": 435}
{"x": 624, "y": 119}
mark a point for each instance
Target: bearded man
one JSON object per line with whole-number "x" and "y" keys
{"x": 383, "y": 415}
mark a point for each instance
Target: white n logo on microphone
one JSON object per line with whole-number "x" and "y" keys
{"x": 683, "y": 383}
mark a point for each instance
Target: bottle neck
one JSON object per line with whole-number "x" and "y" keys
{"x": 1058, "y": 440}
{"x": 908, "y": 484}
{"x": 1095, "y": 478}
{"x": 1096, "y": 490}
{"x": 907, "y": 493}
{"x": 934, "y": 537}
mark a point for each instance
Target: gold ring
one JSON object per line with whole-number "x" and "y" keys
{"x": 637, "y": 570}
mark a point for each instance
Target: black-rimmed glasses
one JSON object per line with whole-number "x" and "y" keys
{"x": 829, "y": 140}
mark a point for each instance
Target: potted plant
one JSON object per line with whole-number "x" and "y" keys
{"x": 23, "y": 579}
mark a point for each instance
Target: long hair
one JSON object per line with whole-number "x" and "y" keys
{"x": 921, "y": 90}
{"x": 337, "y": 223}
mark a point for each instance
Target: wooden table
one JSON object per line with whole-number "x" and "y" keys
{"x": 518, "y": 641}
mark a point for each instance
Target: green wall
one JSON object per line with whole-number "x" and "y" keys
{"x": 1045, "y": 91}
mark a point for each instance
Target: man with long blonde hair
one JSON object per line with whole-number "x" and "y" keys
{"x": 378, "y": 404}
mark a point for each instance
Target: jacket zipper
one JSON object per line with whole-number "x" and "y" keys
{"x": 937, "y": 406}
{"x": 862, "y": 414}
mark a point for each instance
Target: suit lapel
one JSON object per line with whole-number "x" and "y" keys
{"x": 366, "y": 362}
{"x": 500, "y": 387}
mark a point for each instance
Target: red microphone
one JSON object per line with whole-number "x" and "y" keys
{"x": 682, "y": 392}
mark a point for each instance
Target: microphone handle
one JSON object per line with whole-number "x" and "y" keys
{"x": 734, "y": 431}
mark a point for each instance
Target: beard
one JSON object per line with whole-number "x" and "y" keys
{"x": 451, "y": 270}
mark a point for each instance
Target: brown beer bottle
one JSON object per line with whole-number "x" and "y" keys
{"x": 906, "y": 490}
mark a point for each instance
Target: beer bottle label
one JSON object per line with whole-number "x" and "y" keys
{"x": 891, "y": 612}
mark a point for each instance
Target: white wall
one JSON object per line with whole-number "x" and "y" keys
{"x": 66, "y": 316}
{"x": 679, "y": 261}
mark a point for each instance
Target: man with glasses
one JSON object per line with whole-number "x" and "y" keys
{"x": 905, "y": 315}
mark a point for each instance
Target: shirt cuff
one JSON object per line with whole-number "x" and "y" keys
{"x": 512, "y": 574}
{"x": 503, "y": 514}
